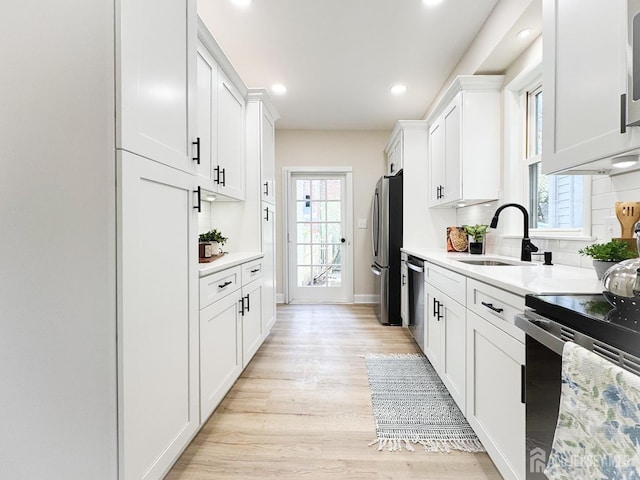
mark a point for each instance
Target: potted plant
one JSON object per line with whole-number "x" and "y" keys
{"x": 214, "y": 239}
{"x": 477, "y": 233}
{"x": 605, "y": 255}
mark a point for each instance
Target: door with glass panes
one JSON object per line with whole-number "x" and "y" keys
{"x": 318, "y": 246}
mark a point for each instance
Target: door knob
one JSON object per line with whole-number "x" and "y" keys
{"x": 343, "y": 240}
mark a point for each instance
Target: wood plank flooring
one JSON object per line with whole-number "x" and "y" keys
{"x": 302, "y": 409}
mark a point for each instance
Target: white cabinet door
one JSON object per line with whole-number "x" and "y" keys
{"x": 156, "y": 82}
{"x": 436, "y": 162}
{"x": 157, "y": 315}
{"x": 584, "y": 75}
{"x": 269, "y": 265}
{"x": 251, "y": 320}
{"x": 404, "y": 292}
{"x": 268, "y": 158}
{"x": 453, "y": 362}
{"x": 494, "y": 394}
{"x": 433, "y": 327}
{"x": 453, "y": 153}
{"x": 220, "y": 351}
{"x": 395, "y": 156}
{"x": 229, "y": 173}
{"x": 207, "y": 116}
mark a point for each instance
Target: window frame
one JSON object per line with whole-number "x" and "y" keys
{"x": 526, "y": 92}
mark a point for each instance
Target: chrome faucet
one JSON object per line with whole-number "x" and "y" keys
{"x": 527, "y": 246}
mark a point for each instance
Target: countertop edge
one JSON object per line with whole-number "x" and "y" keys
{"x": 533, "y": 279}
{"x": 227, "y": 261}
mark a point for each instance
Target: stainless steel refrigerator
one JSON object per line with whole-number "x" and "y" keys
{"x": 386, "y": 241}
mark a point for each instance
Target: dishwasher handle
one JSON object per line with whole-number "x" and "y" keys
{"x": 536, "y": 330}
{"x": 415, "y": 268}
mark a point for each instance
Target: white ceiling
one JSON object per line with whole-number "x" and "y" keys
{"x": 338, "y": 58}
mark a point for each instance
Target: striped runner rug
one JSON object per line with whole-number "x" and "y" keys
{"x": 412, "y": 406}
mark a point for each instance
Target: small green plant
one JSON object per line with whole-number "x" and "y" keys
{"x": 613, "y": 251}
{"x": 476, "y": 231}
{"x": 213, "y": 236}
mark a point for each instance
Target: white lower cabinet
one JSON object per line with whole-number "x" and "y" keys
{"x": 230, "y": 329}
{"x": 220, "y": 350}
{"x": 404, "y": 290}
{"x": 269, "y": 265}
{"x": 494, "y": 394}
{"x": 445, "y": 341}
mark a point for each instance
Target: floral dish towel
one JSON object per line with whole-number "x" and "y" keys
{"x": 598, "y": 430}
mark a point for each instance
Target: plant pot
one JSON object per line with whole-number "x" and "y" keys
{"x": 205, "y": 250}
{"x": 215, "y": 248}
{"x": 601, "y": 267}
{"x": 476, "y": 247}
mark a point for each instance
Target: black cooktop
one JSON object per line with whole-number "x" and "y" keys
{"x": 593, "y": 316}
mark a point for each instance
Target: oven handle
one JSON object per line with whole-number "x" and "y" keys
{"x": 535, "y": 329}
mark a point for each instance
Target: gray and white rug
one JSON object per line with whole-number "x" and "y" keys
{"x": 411, "y": 406}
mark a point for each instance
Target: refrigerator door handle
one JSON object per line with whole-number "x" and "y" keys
{"x": 376, "y": 270}
{"x": 375, "y": 225}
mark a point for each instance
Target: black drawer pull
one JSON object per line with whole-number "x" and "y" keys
{"x": 255, "y": 270}
{"x": 491, "y": 307}
{"x": 197, "y": 144}
{"x": 225, "y": 284}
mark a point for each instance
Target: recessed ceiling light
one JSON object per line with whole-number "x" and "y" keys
{"x": 279, "y": 89}
{"x": 462, "y": 205}
{"x": 431, "y": 3}
{"x": 210, "y": 198}
{"x": 398, "y": 89}
{"x": 522, "y": 34}
{"x": 241, "y": 3}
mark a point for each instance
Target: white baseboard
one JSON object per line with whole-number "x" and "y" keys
{"x": 366, "y": 298}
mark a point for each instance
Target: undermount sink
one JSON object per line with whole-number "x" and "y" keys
{"x": 492, "y": 262}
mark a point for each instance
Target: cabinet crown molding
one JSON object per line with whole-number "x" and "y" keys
{"x": 262, "y": 95}
{"x": 403, "y": 125}
{"x": 466, "y": 83}
{"x": 220, "y": 57}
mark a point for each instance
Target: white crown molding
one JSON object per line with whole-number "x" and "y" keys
{"x": 467, "y": 83}
{"x": 403, "y": 125}
{"x": 262, "y": 95}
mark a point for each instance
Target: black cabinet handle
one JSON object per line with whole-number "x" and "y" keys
{"x": 197, "y": 144}
{"x": 266, "y": 188}
{"x": 435, "y": 309}
{"x": 439, "y": 316}
{"x": 199, "y": 205}
{"x": 623, "y": 113}
{"x": 224, "y": 177}
{"x": 404, "y": 279}
{"x": 225, "y": 284}
{"x": 241, "y": 301}
{"x": 266, "y": 210}
{"x": 255, "y": 270}
{"x": 523, "y": 384}
{"x": 393, "y": 166}
{"x": 216, "y": 180}
{"x": 491, "y": 307}
{"x": 248, "y": 305}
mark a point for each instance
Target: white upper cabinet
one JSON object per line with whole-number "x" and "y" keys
{"x": 268, "y": 157}
{"x": 261, "y": 142}
{"x": 220, "y": 128}
{"x": 155, "y": 58}
{"x": 395, "y": 154}
{"x": 464, "y": 142}
{"x": 584, "y": 78}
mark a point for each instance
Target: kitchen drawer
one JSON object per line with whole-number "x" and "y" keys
{"x": 495, "y": 305}
{"x": 450, "y": 283}
{"x": 251, "y": 271}
{"x": 218, "y": 285}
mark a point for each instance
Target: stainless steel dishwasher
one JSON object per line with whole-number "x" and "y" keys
{"x": 416, "y": 299}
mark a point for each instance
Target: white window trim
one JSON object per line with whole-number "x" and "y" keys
{"x": 516, "y": 163}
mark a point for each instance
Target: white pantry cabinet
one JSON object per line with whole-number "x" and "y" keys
{"x": 464, "y": 142}
{"x": 269, "y": 265}
{"x": 584, "y": 76}
{"x": 220, "y": 129}
{"x": 155, "y": 85}
{"x": 157, "y": 322}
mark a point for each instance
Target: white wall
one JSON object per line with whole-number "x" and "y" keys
{"x": 361, "y": 150}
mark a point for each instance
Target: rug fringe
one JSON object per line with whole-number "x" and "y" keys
{"x": 392, "y": 355}
{"x": 398, "y": 444}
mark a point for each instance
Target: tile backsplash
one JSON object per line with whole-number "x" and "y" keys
{"x": 204, "y": 218}
{"x": 605, "y": 192}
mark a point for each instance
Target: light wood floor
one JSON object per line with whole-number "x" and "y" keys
{"x": 302, "y": 409}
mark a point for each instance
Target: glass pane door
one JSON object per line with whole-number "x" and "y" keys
{"x": 318, "y": 237}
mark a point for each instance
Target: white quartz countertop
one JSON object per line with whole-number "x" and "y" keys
{"x": 228, "y": 260}
{"x": 519, "y": 279}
